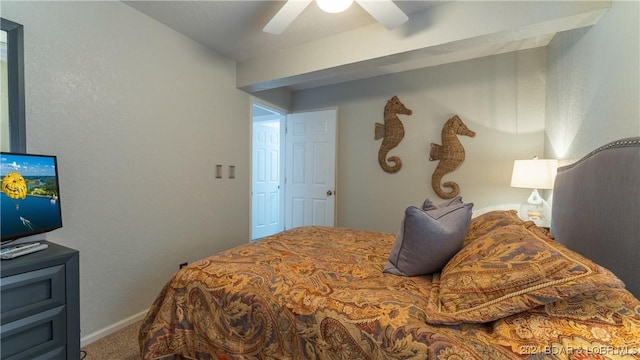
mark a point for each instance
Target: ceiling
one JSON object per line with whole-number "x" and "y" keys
{"x": 319, "y": 48}
{"x": 234, "y": 28}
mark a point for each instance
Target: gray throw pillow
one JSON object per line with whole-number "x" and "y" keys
{"x": 427, "y": 240}
{"x": 429, "y": 205}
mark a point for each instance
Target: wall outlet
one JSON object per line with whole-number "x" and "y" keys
{"x": 183, "y": 265}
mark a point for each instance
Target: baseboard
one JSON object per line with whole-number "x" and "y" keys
{"x": 95, "y": 336}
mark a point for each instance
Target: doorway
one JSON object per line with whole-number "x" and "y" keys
{"x": 267, "y": 173}
{"x": 293, "y": 169}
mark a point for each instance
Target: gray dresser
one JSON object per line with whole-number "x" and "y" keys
{"x": 40, "y": 305}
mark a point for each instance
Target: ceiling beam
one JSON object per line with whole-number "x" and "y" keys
{"x": 450, "y": 32}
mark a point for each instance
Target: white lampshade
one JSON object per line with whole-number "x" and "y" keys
{"x": 334, "y": 6}
{"x": 534, "y": 174}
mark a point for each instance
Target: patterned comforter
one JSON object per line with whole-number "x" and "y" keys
{"x": 319, "y": 293}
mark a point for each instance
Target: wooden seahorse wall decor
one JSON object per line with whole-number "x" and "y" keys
{"x": 451, "y": 155}
{"x": 391, "y": 133}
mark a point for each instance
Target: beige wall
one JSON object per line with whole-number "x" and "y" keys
{"x": 591, "y": 98}
{"x": 593, "y": 94}
{"x": 501, "y": 98}
{"x": 138, "y": 116}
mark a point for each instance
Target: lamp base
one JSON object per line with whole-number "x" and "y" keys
{"x": 539, "y": 213}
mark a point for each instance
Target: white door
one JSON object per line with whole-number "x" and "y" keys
{"x": 267, "y": 193}
{"x": 310, "y": 169}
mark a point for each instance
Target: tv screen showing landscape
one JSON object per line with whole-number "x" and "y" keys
{"x": 30, "y": 196}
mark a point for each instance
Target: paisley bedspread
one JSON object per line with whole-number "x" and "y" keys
{"x": 320, "y": 293}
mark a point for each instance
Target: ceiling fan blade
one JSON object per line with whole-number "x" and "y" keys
{"x": 285, "y": 16}
{"x": 385, "y": 12}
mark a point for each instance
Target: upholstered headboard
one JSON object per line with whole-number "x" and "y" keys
{"x": 596, "y": 208}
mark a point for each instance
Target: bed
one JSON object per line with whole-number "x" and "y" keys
{"x": 508, "y": 290}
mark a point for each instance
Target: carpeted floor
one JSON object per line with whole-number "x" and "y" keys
{"x": 121, "y": 345}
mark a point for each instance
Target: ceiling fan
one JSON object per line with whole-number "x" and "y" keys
{"x": 384, "y": 11}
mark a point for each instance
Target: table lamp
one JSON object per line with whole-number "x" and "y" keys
{"x": 535, "y": 174}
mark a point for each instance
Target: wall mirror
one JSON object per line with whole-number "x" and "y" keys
{"x": 12, "y": 108}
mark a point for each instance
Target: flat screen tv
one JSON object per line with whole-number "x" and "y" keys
{"x": 30, "y": 195}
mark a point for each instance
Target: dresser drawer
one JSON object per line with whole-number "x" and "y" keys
{"x": 35, "y": 336}
{"x": 32, "y": 292}
{"x": 40, "y": 305}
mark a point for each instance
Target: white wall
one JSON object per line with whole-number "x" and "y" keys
{"x": 501, "y": 98}
{"x": 593, "y": 90}
{"x": 138, "y": 116}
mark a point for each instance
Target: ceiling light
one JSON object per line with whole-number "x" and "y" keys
{"x": 334, "y": 6}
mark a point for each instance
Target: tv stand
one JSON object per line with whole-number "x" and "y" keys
{"x": 40, "y": 300}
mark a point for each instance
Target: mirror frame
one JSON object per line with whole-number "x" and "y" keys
{"x": 15, "y": 79}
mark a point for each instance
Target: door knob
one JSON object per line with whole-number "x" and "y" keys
{"x": 329, "y": 192}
